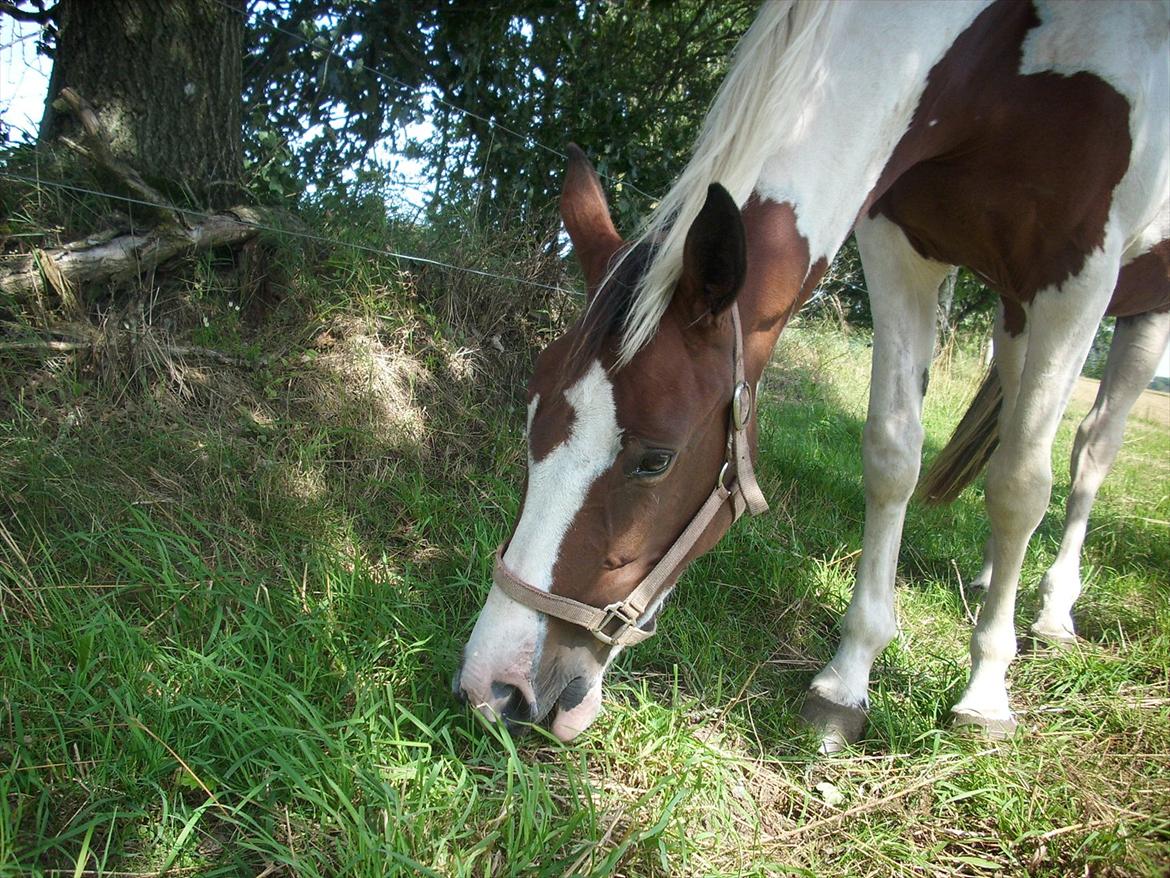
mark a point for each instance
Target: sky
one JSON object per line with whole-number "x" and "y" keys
{"x": 24, "y": 79}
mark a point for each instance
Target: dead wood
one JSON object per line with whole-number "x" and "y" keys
{"x": 119, "y": 257}
{"x": 63, "y": 268}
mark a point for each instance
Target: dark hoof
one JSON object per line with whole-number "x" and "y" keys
{"x": 995, "y": 729}
{"x": 838, "y": 725}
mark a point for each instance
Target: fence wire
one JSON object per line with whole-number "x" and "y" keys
{"x": 308, "y": 236}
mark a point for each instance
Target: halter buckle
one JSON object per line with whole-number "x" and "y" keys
{"x": 620, "y": 612}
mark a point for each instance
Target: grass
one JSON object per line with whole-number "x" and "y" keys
{"x": 233, "y": 599}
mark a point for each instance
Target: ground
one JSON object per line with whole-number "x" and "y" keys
{"x": 1152, "y": 406}
{"x": 233, "y": 599}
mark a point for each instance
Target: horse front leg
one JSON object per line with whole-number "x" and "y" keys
{"x": 1138, "y": 343}
{"x": 1061, "y": 325}
{"x": 903, "y": 290}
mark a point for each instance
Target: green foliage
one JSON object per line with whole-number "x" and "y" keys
{"x": 630, "y": 81}
{"x": 846, "y": 297}
{"x": 1099, "y": 352}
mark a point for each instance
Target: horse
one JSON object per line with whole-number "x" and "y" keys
{"x": 1139, "y": 339}
{"x": 1028, "y": 141}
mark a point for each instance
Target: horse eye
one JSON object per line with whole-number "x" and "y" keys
{"x": 654, "y": 463}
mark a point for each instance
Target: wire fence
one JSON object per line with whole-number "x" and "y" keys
{"x": 293, "y": 233}
{"x": 494, "y": 124}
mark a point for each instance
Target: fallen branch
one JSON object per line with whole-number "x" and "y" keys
{"x": 123, "y": 257}
{"x": 107, "y": 256}
{"x": 58, "y": 347}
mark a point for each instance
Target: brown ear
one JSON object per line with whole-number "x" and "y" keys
{"x": 586, "y": 215}
{"x": 714, "y": 257}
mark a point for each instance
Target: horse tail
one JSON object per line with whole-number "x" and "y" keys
{"x": 969, "y": 448}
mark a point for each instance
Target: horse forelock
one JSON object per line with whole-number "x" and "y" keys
{"x": 604, "y": 318}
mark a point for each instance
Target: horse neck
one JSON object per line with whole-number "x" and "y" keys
{"x": 810, "y": 193}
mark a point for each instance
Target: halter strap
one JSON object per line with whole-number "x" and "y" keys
{"x": 619, "y": 623}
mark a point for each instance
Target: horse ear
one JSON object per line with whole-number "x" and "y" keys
{"x": 586, "y": 215}
{"x": 714, "y": 257}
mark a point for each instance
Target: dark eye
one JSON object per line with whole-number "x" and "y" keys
{"x": 654, "y": 462}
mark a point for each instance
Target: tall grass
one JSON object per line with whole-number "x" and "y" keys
{"x": 233, "y": 598}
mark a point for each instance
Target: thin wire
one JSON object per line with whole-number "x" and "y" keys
{"x": 378, "y": 251}
{"x": 527, "y": 138}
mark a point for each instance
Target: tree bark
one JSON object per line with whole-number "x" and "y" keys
{"x": 165, "y": 77}
{"x": 946, "y": 298}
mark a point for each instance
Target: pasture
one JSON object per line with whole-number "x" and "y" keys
{"x": 233, "y": 595}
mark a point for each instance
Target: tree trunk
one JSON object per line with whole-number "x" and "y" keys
{"x": 946, "y": 298}
{"x": 165, "y": 77}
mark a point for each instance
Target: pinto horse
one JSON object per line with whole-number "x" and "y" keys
{"x": 1027, "y": 141}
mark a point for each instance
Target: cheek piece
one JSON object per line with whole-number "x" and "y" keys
{"x": 620, "y": 623}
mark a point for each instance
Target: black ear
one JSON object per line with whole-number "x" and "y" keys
{"x": 586, "y": 215}
{"x": 714, "y": 256}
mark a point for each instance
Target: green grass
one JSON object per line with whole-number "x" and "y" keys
{"x": 233, "y": 601}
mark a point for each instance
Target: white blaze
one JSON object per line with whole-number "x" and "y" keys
{"x": 558, "y": 484}
{"x": 505, "y": 644}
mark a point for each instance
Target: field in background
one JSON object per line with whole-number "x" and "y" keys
{"x": 233, "y": 598}
{"x": 1152, "y": 406}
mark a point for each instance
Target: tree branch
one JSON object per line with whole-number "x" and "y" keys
{"x": 42, "y": 16}
{"x": 62, "y": 268}
{"x": 96, "y": 149}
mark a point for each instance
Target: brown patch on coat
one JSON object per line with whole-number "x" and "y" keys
{"x": 552, "y": 422}
{"x": 1144, "y": 284}
{"x": 1014, "y": 318}
{"x": 779, "y": 277}
{"x": 676, "y": 394}
{"x": 1016, "y": 176}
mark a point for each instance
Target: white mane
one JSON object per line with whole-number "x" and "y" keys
{"x": 755, "y": 112}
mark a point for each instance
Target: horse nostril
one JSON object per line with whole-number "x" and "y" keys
{"x": 511, "y": 704}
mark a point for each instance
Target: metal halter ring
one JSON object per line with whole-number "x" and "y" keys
{"x": 741, "y": 405}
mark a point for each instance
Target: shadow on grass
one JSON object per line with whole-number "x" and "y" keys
{"x": 249, "y": 606}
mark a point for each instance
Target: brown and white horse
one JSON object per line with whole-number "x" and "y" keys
{"x": 1025, "y": 140}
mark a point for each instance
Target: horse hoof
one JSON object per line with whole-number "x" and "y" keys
{"x": 838, "y": 725}
{"x": 1060, "y": 639}
{"x": 996, "y": 729}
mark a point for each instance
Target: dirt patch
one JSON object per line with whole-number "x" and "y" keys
{"x": 1152, "y": 406}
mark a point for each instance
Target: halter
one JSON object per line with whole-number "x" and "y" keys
{"x": 619, "y": 623}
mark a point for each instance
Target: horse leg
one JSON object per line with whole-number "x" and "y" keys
{"x": 1138, "y": 343}
{"x": 903, "y": 295}
{"x": 981, "y": 582}
{"x": 1061, "y": 326}
{"x": 1009, "y": 364}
